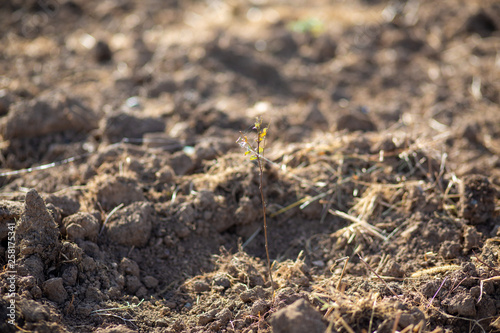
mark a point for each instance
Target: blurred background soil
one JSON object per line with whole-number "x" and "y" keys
{"x": 136, "y": 210}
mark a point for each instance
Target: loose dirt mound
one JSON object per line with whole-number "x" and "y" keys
{"x": 135, "y": 210}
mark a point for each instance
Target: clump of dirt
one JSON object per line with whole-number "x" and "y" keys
{"x": 135, "y": 209}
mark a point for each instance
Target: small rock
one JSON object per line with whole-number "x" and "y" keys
{"x": 54, "y": 290}
{"x": 36, "y": 292}
{"x": 297, "y": 318}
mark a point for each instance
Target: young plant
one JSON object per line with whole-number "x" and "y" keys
{"x": 256, "y": 152}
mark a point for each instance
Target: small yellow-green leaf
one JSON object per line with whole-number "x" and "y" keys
{"x": 258, "y": 122}
{"x": 247, "y": 152}
{"x": 253, "y": 157}
{"x": 261, "y": 150}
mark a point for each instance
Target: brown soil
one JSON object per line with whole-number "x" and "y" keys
{"x": 382, "y": 186}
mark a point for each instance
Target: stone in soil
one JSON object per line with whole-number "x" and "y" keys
{"x": 54, "y": 290}
{"x": 298, "y": 317}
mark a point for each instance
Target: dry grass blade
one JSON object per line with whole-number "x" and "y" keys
{"x": 360, "y": 223}
{"x": 370, "y": 325}
{"x": 437, "y": 292}
{"x": 117, "y": 208}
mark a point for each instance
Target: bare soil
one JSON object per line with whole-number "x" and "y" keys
{"x": 136, "y": 210}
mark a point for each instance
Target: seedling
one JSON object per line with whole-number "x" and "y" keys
{"x": 311, "y": 25}
{"x": 256, "y": 152}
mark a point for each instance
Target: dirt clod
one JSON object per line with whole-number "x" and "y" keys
{"x": 123, "y": 125}
{"x": 54, "y": 289}
{"x": 298, "y": 317}
{"x": 355, "y": 121}
{"x": 477, "y": 199}
{"x": 81, "y": 226}
{"x": 461, "y": 304}
{"x": 113, "y": 191}
{"x": 132, "y": 225}
{"x": 50, "y": 113}
{"x": 37, "y": 231}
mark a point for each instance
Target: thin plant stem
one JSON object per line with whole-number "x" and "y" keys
{"x": 258, "y": 154}
{"x": 261, "y": 173}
